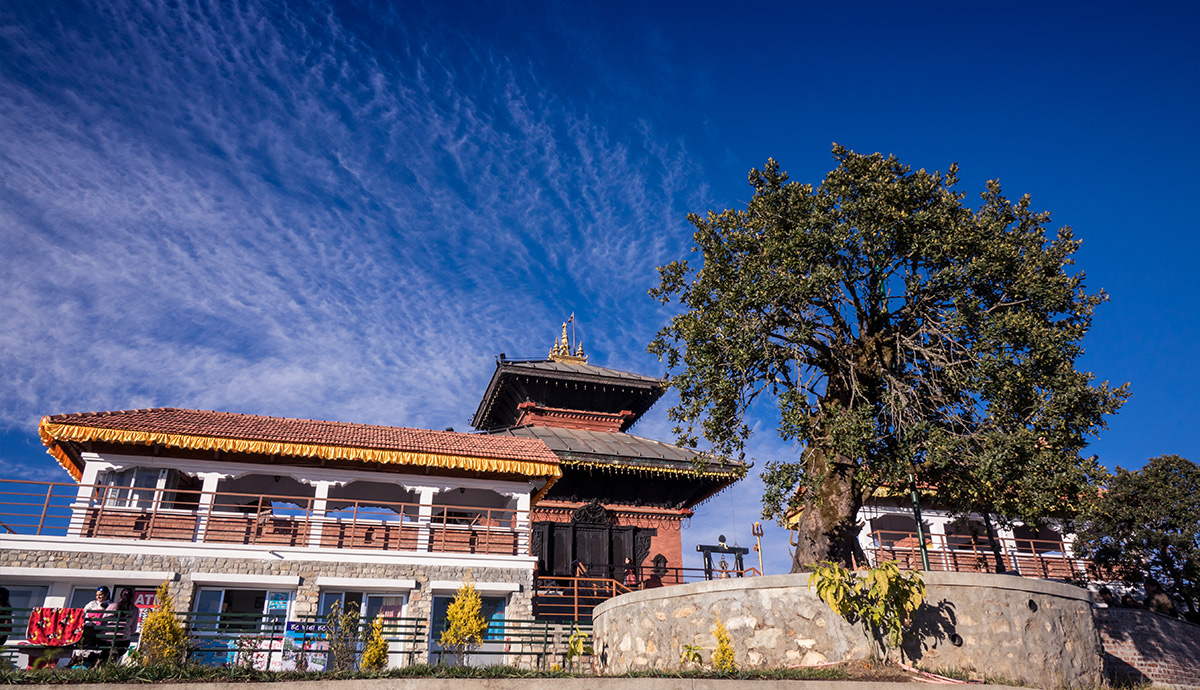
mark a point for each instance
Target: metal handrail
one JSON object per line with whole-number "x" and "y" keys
{"x": 1039, "y": 558}
{"x": 194, "y": 515}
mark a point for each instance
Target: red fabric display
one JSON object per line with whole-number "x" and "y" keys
{"x": 54, "y": 627}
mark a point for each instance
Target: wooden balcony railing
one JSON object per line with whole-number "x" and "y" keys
{"x": 1037, "y": 558}
{"x": 184, "y": 515}
{"x": 573, "y": 598}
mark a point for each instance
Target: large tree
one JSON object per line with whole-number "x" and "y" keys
{"x": 1146, "y": 524}
{"x": 896, "y": 330}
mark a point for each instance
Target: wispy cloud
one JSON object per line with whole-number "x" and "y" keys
{"x": 256, "y": 209}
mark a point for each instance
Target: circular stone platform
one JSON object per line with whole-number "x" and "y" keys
{"x": 1033, "y": 631}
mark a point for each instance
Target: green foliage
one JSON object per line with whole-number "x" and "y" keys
{"x": 891, "y": 327}
{"x": 375, "y": 656}
{"x": 691, "y": 655}
{"x": 128, "y": 675}
{"x": 343, "y": 632}
{"x": 882, "y": 599}
{"x": 465, "y": 623}
{"x": 578, "y": 648}
{"x": 723, "y": 656}
{"x": 1147, "y": 524}
{"x": 163, "y": 640}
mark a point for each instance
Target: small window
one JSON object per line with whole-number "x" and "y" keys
{"x": 492, "y": 611}
{"x": 135, "y": 487}
{"x": 241, "y": 610}
{"x": 369, "y": 606}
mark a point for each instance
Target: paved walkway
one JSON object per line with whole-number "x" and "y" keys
{"x": 551, "y": 684}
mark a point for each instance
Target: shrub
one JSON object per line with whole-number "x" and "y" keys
{"x": 577, "y": 648}
{"x": 464, "y": 622}
{"x": 691, "y": 655}
{"x": 163, "y": 641}
{"x": 723, "y": 656}
{"x": 882, "y": 600}
{"x": 344, "y": 632}
{"x": 375, "y": 656}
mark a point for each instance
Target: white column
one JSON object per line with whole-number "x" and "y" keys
{"x": 208, "y": 492}
{"x": 425, "y": 517}
{"x": 937, "y": 535}
{"x": 866, "y": 541}
{"x": 521, "y": 523}
{"x": 83, "y": 498}
{"x": 1008, "y": 547}
{"x": 58, "y": 595}
{"x": 316, "y": 519}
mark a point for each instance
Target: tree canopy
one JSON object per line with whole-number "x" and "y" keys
{"x": 1146, "y": 524}
{"x": 895, "y": 330}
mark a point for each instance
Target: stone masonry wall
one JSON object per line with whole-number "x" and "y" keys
{"x": 1036, "y": 632}
{"x": 307, "y": 594}
{"x": 1146, "y": 647}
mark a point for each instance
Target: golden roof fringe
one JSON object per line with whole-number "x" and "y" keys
{"x": 642, "y": 469}
{"x": 54, "y": 434}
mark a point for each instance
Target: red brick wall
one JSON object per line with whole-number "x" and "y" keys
{"x": 1146, "y": 647}
{"x": 668, "y": 541}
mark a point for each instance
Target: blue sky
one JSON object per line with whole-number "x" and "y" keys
{"x": 346, "y": 211}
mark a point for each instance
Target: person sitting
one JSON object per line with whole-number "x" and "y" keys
{"x": 1129, "y": 602}
{"x": 1158, "y": 601}
{"x": 88, "y": 653}
{"x": 127, "y": 619}
{"x": 1107, "y": 600}
{"x": 5, "y": 616}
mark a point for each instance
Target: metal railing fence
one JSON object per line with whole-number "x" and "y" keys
{"x": 190, "y": 515}
{"x": 1036, "y": 558}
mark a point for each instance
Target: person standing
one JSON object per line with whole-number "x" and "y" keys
{"x": 631, "y": 578}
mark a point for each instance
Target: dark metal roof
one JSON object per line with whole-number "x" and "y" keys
{"x": 564, "y": 370}
{"x": 643, "y": 391}
{"x": 612, "y": 444}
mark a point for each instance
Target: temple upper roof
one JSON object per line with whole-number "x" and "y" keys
{"x": 564, "y": 385}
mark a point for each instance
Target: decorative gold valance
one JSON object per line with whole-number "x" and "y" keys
{"x": 54, "y": 434}
{"x": 628, "y": 468}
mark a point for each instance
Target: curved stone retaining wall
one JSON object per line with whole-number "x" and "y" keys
{"x": 1033, "y": 631}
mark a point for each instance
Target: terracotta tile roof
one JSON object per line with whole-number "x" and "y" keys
{"x": 230, "y": 425}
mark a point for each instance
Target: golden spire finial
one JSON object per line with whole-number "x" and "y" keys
{"x": 561, "y": 350}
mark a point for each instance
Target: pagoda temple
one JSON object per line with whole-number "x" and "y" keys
{"x": 620, "y": 495}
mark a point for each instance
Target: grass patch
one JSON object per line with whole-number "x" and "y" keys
{"x": 193, "y": 673}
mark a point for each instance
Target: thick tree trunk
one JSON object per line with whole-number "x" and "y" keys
{"x": 827, "y": 529}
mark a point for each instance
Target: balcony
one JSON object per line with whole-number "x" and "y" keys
{"x": 1036, "y": 558}
{"x": 99, "y": 511}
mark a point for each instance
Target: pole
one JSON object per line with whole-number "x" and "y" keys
{"x": 757, "y": 531}
{"x": 920, "y": 528}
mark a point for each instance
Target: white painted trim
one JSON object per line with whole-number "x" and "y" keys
{"x": 366, "y": 584}
{"x": 483, "y": 587}
{"x": 245, "y": 579}
{"x": 308, "y": 475}
{"x": 75, "y": 575}
{"x": 186, "y": 549}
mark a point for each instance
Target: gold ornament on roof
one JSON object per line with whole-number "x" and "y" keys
{"x": 560, "y": 351}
